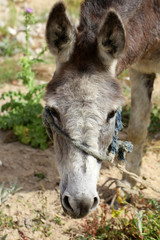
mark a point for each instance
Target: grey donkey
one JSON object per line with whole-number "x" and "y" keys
{"x": 84, "y": 94}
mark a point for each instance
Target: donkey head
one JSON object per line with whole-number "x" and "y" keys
{"x": 83, "y": 97}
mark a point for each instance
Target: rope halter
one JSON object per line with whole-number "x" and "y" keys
{"x": 117, "y": 147}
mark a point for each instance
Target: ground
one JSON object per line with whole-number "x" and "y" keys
{"x": 36, "y": 209}
{"x": 39, "y": 199}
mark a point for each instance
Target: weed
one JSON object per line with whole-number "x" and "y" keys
{"x": 46, "y": 230}
{"x": 41, "y": 220}
{"x": 57, "y": 220}
{"x": 153, "y": 203}
{"x": 7, "y": 221}
{"x": 155, "y": 119}
{"x": 5, "y": 192}
{"x": 97, "y": 225}
{"x": 9, "y": 47}
{"x": 141, "y": 225}
{"x": 23, "y": 112}
{"x": 40, "y": 175}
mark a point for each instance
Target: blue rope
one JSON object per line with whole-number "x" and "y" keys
{"x": 117, "y": 147}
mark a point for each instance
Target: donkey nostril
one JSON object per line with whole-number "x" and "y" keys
{"x": 95, "y": 203}
{"x": 67, "y": 204}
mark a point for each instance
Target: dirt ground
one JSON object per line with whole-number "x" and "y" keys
{"x": 39, "y": 199}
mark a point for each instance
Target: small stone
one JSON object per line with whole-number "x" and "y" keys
{"x": 21, "y": 37}
{"x": 27, "y": 223}
{"x": 12, "y": 31}
{"x": 1, "y": 163}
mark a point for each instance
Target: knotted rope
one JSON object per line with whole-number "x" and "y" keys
{"x": 117, "y": 147}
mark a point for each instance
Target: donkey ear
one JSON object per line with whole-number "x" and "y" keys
{"x": 111, "y": 38}
{"x": 60, "y": 33}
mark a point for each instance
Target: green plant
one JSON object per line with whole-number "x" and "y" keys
{"x": 24, "y": 116}
{"x": 6, "y": 221}
{"x": 140, "y": 225}
{"x": 9, "y": 47}
{"x": 40, "y": 175}
{"x": 23, "y": 112}
{"x": 5, "y": 192}
{"x": 97, "y": 225}
{"x": 155, "y": 119}
{"x": 57, "y": 220}
{"x": 40, "y": 221}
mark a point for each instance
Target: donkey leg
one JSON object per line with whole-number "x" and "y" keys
{"x": 141, "y": 92}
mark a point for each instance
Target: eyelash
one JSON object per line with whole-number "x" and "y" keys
{"x": 55, "y": 113}
{"x": 111, "y": 115}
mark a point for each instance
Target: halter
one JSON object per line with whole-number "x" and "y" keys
{"x": 117, "y": 147}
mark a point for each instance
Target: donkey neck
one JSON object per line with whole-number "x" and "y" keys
{"x": 141, "y": 23}
{"x": 142, "y": 34}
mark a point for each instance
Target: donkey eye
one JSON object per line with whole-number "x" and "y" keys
{"x": 55, "y": 113}
{"x": 110, "y": 115}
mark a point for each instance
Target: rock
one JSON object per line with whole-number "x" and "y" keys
{"x": 27, "y": 223}
{"x": 12, "y": 31}
{"x": 21, "y": 37}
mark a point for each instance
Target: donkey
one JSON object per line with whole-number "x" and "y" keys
{"x": 84, "y": 94}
